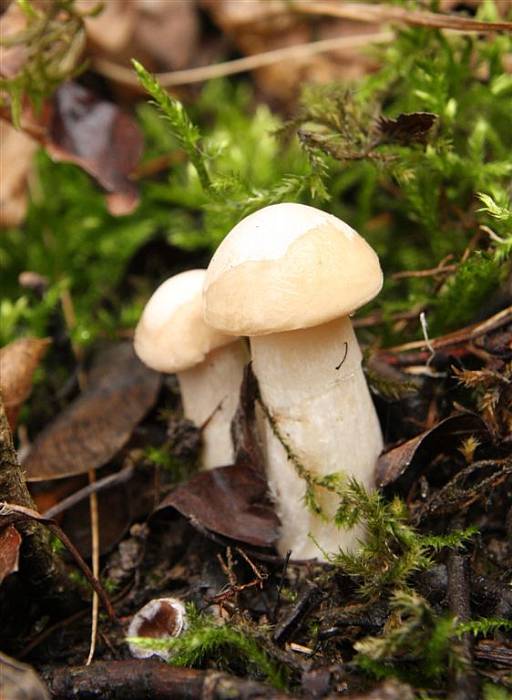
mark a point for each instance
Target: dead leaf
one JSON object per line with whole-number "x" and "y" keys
{"x": 232, "y": 501}
{"x": 10, "y": 542}
{"x": 406, "y": 128}
{"x": 229, "y": 501}
{"x": 401, "y": 463}
{"x": 16, "y": 157}
{"x": 78, "y": 127}
{"x": 18, "y": 361}
{"x": 94, "y": 427}
{"x": 100, "y": 138}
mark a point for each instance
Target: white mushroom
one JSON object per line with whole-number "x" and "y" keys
{"x": 288, "y": 276}
{"x": 172, "y": 337}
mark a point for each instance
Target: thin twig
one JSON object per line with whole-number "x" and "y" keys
{"x": 100, "y": 485}
{"x": 462, "y": 335}
{"x": 124, "y": 75}
{"x": 365, "y": 12}
{"x": 441, "y": 269}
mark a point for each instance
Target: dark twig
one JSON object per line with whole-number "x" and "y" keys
{"x": 309, "y": 600}
{"x": 107, "y": 482}
{"x": 464, "y": 680}
{"x": 151, "y": 680}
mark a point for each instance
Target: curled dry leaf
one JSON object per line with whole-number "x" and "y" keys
{"x": 94, "y": 427}
{"x": 229, "y": 501}
{"x": 400, "y": 464}
{"x": 18, "y": 361}
{"x": 10, "y": 542}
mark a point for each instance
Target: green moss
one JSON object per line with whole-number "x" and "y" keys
{"x": 223, "y": 643}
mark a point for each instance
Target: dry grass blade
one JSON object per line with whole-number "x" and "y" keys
{"x": 124, "y": 75}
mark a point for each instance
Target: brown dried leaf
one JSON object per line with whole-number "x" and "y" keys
{"x": 406, "y": 128}
{"x": 232, "y": 501}
{"x": 100, "y": 138}
{"x": 229, "y": 501}
{"x": 401, "y": 463}
{"x": 18, "y": 361}
{"x": 94, "y": 427}
{"x": 10, "y": 542}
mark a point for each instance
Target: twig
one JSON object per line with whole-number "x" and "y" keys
{"x": 309, "y": 600}
{"x": 462, "y": 335}
{"x": 465, "y": 685}
{"x": 365, "y": 12}
{"x": 441, "y": 269}
{"x": 124, "y": 75}
{"x": 151, "y": 680}
{"x": 100, "y": 485}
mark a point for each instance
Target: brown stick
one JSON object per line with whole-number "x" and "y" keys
{"x": 41, "y": 569}
{"x": 365, "y": 12}
{"x": 462, "y": 335}
{"x": 151, "y": 680}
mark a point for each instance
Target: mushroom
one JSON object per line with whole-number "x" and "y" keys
{"x": 161, "y": 618}
{"x": 288, "y": 276}
{"x": 171, "y": 336}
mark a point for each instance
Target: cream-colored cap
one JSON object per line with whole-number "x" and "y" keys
{"x": 285, "y": 267}
{"x": 171, "y": 335}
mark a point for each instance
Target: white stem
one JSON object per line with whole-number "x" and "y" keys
{"x": 210, "y": 393}
{"x": 312, "y": 383}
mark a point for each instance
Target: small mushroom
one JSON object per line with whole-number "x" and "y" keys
{"x": 161, "y": 618}
{"x": 171, "y": 336}
{"x": 288, "y": 276}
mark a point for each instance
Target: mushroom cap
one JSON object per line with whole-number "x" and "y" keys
{"x": 285, "y": 267}
{"x": 171, "y": 335}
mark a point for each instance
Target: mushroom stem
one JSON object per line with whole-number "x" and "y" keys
{"x": 210, "y": 393}
{"x": 313, "y": 386}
